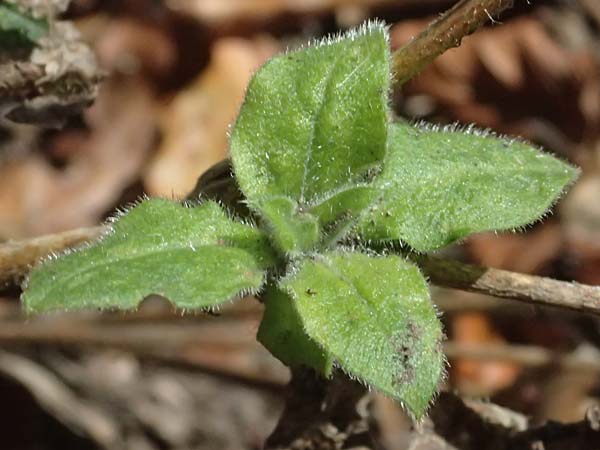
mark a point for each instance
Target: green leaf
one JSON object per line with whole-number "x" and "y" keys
{"x": 374, "y": 315}
{"x": 340, "y": 212}
{"x": 292, "y": 231}
{"x": 314, "y": 121}
{"x": 439, "y": 186}
{"x": 20, "y": 25}
{"x": 282, "y": 333}
{"x": 196, "y": 257}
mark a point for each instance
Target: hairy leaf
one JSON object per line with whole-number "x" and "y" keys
{"x": 291, "y": 230}
{"x": 374, "y": 315}
{"x": 340, "y": 212}
{"x": 196, "y": 257}
{"x": 314, "y": 121}
{"x": 282, "y": 333}
{"x": 439, "y": 186}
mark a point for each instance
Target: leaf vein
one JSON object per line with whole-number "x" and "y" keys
{"x": 314, "y": 123}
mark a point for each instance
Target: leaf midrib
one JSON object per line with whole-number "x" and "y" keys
{"x": 378, "y": 315}
{"x": 463, "y": 173}
{"x": 365, "y": 299}
{"x": 108, "y": 261}
{"x": 314, "y": 123}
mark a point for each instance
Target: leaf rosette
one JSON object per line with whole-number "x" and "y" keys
{"x": 326, "y": 174}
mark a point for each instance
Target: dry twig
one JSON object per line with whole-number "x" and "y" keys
{"x": 17, "y": 257}
{"x": 446, "y": 32}
{"x": 516, "y": 286}
{"x": 465, "y": 427}
{"x": 50, "y": 392}
{"x": 147, "y": 341}
{"x": 159, "y": 341}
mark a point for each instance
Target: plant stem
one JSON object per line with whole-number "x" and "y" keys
{"x": 446, "y": 32}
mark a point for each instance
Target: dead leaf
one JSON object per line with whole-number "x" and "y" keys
{"x": 219, "y": 12}
{"x": 133, "y": 47}
{"x": 516, "y": 79}
{"x": 195, "y": 123}
{"x": 520, "y": 252}
{"x": 36, "y": 198}
{"x": 580, "y": 213}
{"x": 478, "y": 377}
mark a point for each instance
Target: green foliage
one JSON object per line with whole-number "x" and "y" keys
{"x": 293, "y": 231}
{"x": 196, "y": 257}
{"x": 282, "y": 332}
{"x": 319, "y": 163}
{"x": 439, "y": 186}
{"x": 17, "y": 28}
{"x": 374, "y": 315}
{"x": 338, "y": 213}
{"x": 314, "y": 122}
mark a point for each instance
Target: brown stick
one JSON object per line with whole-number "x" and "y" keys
{"x": 17, "y": 257}
{"x": 164, "y": 343}
{"x": 60, "y": 401}
{"x": 516, "y": 286}
{"x": 487, "y": 427}
{"x": 446, "y": 32}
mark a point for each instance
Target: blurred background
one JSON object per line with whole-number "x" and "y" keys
{"x": 173, "y": 76}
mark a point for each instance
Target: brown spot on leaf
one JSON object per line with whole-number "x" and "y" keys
{"x": 404, "y": 343}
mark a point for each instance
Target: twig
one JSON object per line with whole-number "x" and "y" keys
{"x": 17, "y": 257}
{"x": 53, "y": 395}
{"x": 516, "y": 286}
{"x": 163, "y": 343}
{"x": 465, "y": 427}
{"x": 444, "y": 33}
{"x": 147, "y": 340}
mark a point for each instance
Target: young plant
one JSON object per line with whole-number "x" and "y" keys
{"x": 329, "y": 180}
